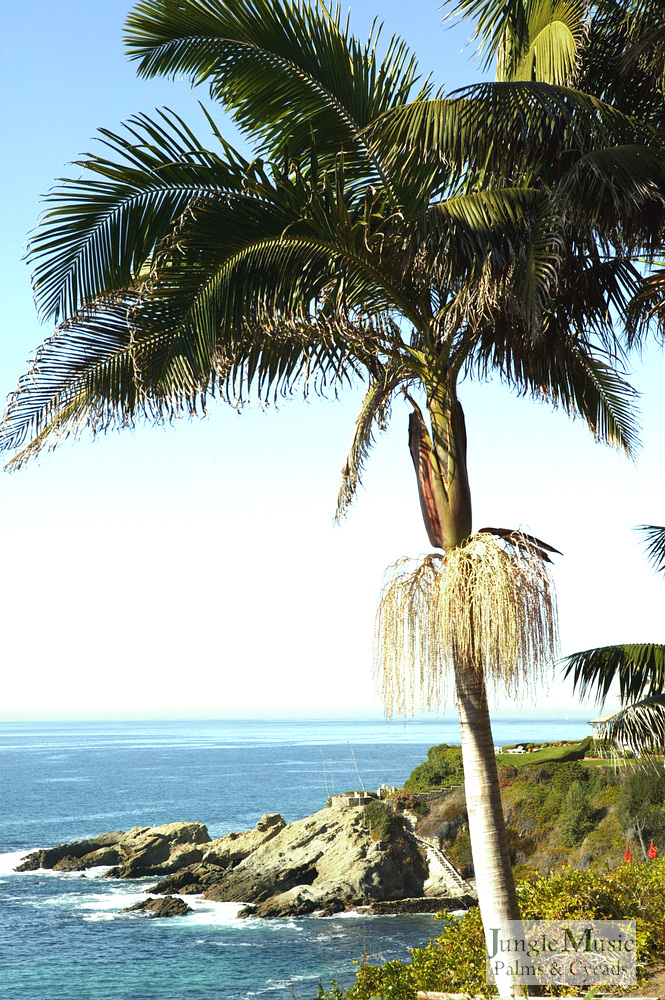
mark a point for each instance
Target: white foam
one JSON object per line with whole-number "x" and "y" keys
{"x": 9, "y": 861}
{"x": 208, "y": 913}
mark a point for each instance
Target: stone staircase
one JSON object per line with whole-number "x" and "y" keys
{"x": 444, "y": 879}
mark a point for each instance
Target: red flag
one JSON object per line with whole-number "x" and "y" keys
{"x": 628, "y": 857}
{"x": 653, "y": 853}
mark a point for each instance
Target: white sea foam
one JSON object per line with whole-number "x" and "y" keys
{"x": 283, "y": 984}
{"x": 9, "y": 861}
{"x": 210, "y": 914}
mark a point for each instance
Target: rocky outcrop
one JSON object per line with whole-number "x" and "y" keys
{"x": 165, "y": 906}
{"x": 326, "y": 862}
{"x": 141, "y": 852}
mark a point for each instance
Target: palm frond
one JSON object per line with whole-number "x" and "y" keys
{"x": 637, "y": 727}
{"x": 283, "y": 70}
{"x": 88, "y": 375}
{"x": 618, "y": 187}
{"x": 624, "y": 61}
{"x": 653, "y": 537}
{"x": 506, "y": 130}
{"x": 374, "y": 414}
{"x": 558, "y": 361}
{"x": 100, "y": 231}
{"x": 639, "y": 669}
{"x": 547, "y": 45}
{"x": 530, "y": 39}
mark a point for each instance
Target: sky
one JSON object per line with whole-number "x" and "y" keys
{"x": 195, "y": 569}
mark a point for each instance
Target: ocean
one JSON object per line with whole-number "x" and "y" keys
{"x": 66, "y": 937}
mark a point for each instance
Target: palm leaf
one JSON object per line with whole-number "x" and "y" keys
{"x": 374, "y": 414}
{"x": 531, "y": 39}
{"x": 618, "y": 186}
{"x": 638, "y": 667}
{"x": 637, "y": 727}
{"x": 555, "y": 32}
{"x": 283, "y": 70}
{"x": 100, "y": 231}
{"x": 654, "y": 543}
{"x": 504, "y": 130}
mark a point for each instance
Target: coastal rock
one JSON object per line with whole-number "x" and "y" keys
{"x": 326, "y": 862}
{"x": 165, "y": 906}
{"x": 142, "y": 851}
{"x": 230, "y": 850}
{"x": 327, "y": 856}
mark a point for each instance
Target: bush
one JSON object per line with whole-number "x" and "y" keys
{"x": 378, "y": 819}
{"x": 442, "y": 768}
{"x": 455, "y": 961}
{"x": 641, "y": 804}
{"x": 577, "y": 815}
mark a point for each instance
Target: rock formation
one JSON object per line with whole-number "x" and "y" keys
{"x": 326, "y": 862}
{"x": 166, "y": 906}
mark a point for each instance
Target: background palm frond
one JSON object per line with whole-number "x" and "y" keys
{"x": 653, "y": 537}
{"x": 530, "y": 39}
{"x": 374, "y": 414}
{"x": 638, "y": 727}
{"x": 638, "y": 667}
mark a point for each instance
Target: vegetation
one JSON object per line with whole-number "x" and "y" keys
{"x": 442, "y": 768}
{"x": 455, "y": 961}
{"x": 641, "y": 809}
{"x": 558, "y": 812}
{"x": 378, "y": 819}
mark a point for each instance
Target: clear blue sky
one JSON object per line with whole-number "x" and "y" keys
{"x": 196, "y": 569}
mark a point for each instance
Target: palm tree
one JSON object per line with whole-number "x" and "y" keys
{"x": 381, "y": 233}
{"x": 639, "y": 669}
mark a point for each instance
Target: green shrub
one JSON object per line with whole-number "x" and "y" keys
{"x": 442, "y": 768}
{"x": 641, "y": 804}
{"x": 378, "y": 819}
{"x": 455, "y": 961}
{"x": 577, "y": 815}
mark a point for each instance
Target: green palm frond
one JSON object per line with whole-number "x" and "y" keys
{"x": 648, "y": 306}
{"x": 637, "y": 727}
{"x": 283, "y": 70}
{"x": 618, "y": 186}
{"x": 569, "y": 375}
{"x": 638, "y": 667}
{"x": 503, "y": 130}
{"x": 530, "y": 39}
{"x": 480, "y": 222}
{"x": 654, "y": 543}
{"x": 549, "y": 51}
{"x": 624, "y": 60}
{"x": 259, "y": 293}
{"x": 100, "y": 231}
{"x": 144, "y": 359}
{"x": 374, "y": 415}
{"x": 85, "y": 376}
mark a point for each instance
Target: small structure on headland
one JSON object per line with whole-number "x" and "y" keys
{"x": 355, "y": 798}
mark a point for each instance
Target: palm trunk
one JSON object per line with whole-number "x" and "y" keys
{"x": 491, "y": 859}
{"x": 443, "y": 484}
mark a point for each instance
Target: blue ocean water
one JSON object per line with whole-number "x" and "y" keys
{"x": 66, "y": 937}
